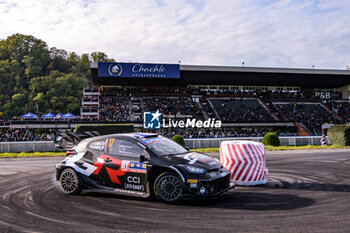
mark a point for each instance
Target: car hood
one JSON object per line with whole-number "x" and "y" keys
{"x": 195, "y": 159}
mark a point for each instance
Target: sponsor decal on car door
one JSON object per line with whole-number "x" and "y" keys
{"x": 123, "y": 171}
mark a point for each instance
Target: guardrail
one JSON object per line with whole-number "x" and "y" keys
{"x": 192, "y": 143}
{"x": 35, "y": 146}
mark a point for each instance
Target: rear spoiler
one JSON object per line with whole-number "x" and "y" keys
{"x": 67, "y": 140}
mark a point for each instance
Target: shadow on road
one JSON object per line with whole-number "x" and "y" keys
{"x": 306, "y": 186}
{"x": 233, "y": 200}
{"x": 255, "y": 201}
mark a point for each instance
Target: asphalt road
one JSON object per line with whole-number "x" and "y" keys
{"x": 307, "y": 192}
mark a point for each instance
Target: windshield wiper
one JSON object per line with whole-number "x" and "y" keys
{"x": 180, "y": 153}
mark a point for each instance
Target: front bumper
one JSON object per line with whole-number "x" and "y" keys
{"x": 208, "y": 188}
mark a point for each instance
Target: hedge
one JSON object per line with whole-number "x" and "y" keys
{"x": 179, "y": 139}
{"x": 104, "y": 129}
{"x": 271, "y": 139}
{"x": 339, "y": 135}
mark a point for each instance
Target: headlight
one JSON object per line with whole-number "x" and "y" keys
{"x": 195, "y": 169}
{"x": 224, "y": 169}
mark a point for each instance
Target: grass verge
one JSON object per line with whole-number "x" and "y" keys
{"x": 205, "y": 150}
{"x": 32, "y": 154}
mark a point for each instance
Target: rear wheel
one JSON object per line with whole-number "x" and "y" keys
{"x": 167, "y": 188}
{"x": 69, "y": 182}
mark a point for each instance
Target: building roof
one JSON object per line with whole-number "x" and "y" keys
{"x": 236, "y": 76}
{"x": 263, "y": 69}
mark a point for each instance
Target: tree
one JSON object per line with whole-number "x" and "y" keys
{"x": 27, "y": 57}
{"x": 58, "y": 92}
{"x": 31, "y": 74}
{"x": 101, "y": 57}
{"x": 59, "y": 61}
{"x": 73, "y": 59}
{"x": 82, "y": 68}
{"x": 32, "y": 53}
{"x": 17, "y": 105}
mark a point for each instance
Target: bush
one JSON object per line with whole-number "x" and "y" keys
{"x": 179, "y": 139}
{"x": 104, "y": 129}
{"x": 271, "y": 139}
{"x": 339, "y": 135}
{"x": 42, "y": 131}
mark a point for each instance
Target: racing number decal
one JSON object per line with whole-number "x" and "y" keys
{"x": 110, "y": 143}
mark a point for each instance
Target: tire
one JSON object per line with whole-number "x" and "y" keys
{"x": 168, "y": 188}
{"x": 70, "y": 183}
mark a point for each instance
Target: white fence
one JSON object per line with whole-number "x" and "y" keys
{"x": 26, "y": 146}
{"x": 192, "y": 143}
{"x": 285, "y": 141}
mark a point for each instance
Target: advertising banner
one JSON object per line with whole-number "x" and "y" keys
{"x": 138, "y": 70}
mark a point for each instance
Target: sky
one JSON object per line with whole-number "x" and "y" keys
{"x": 260, "y": 33}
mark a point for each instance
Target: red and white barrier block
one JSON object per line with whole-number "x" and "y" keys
{"x": 246, "y": 161}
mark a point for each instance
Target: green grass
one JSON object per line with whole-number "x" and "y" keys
{"x": 205, "y": 150}
{"x": 275, "y": 148}
{"x": 32, "y": 154}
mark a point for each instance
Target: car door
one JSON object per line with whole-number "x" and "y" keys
{"x": 123, "y": 167}
{"x": 92, "y": 161}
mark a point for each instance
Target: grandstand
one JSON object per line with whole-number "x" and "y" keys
{"x": 289, "y": 101}
{"x": 309, "y": 115}
{"x": 241, "y": 110}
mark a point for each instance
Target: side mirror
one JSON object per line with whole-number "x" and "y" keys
{"x": 188, "y": 149}
{"x": 143, "y": 159}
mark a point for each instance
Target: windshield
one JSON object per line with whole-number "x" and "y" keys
{"x": 162, "y": 146}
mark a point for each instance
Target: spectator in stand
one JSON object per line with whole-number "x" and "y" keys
{"x": 221, "y": 133}
{"x": 324, "y": 140}
{"x": 236, "y": 109}
{"x": 114, "y": 108}
{"x": 342, "y": 108}
{"x": 14, "y": 135}
{"x": 312, "y": 115}
{"x": 173, "y": 106}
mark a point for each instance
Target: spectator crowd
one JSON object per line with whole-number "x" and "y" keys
{"x": 312, "y": 115}
{"x": 114, "y": 108}
{"x": 229, "y": 105}
{"x": 231, "y": 132}
{"x": 14, "y": 135}
{"x": 240, "y": 109}
{"x": 175, "y": 106}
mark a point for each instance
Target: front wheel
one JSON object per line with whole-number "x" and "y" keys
{"x": 167, "y": 188}
{"x": 69, "y": 182}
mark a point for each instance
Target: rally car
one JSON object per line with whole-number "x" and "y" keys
{"x": 138, "y": 164}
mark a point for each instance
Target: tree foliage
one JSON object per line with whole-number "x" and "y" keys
{"x": 100, "y": 57}
{"x": 339, "y": 135}
{"x": 179, "y": 139}
{"x": 271, "y": 139}
{"x": 35, "y": 77}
